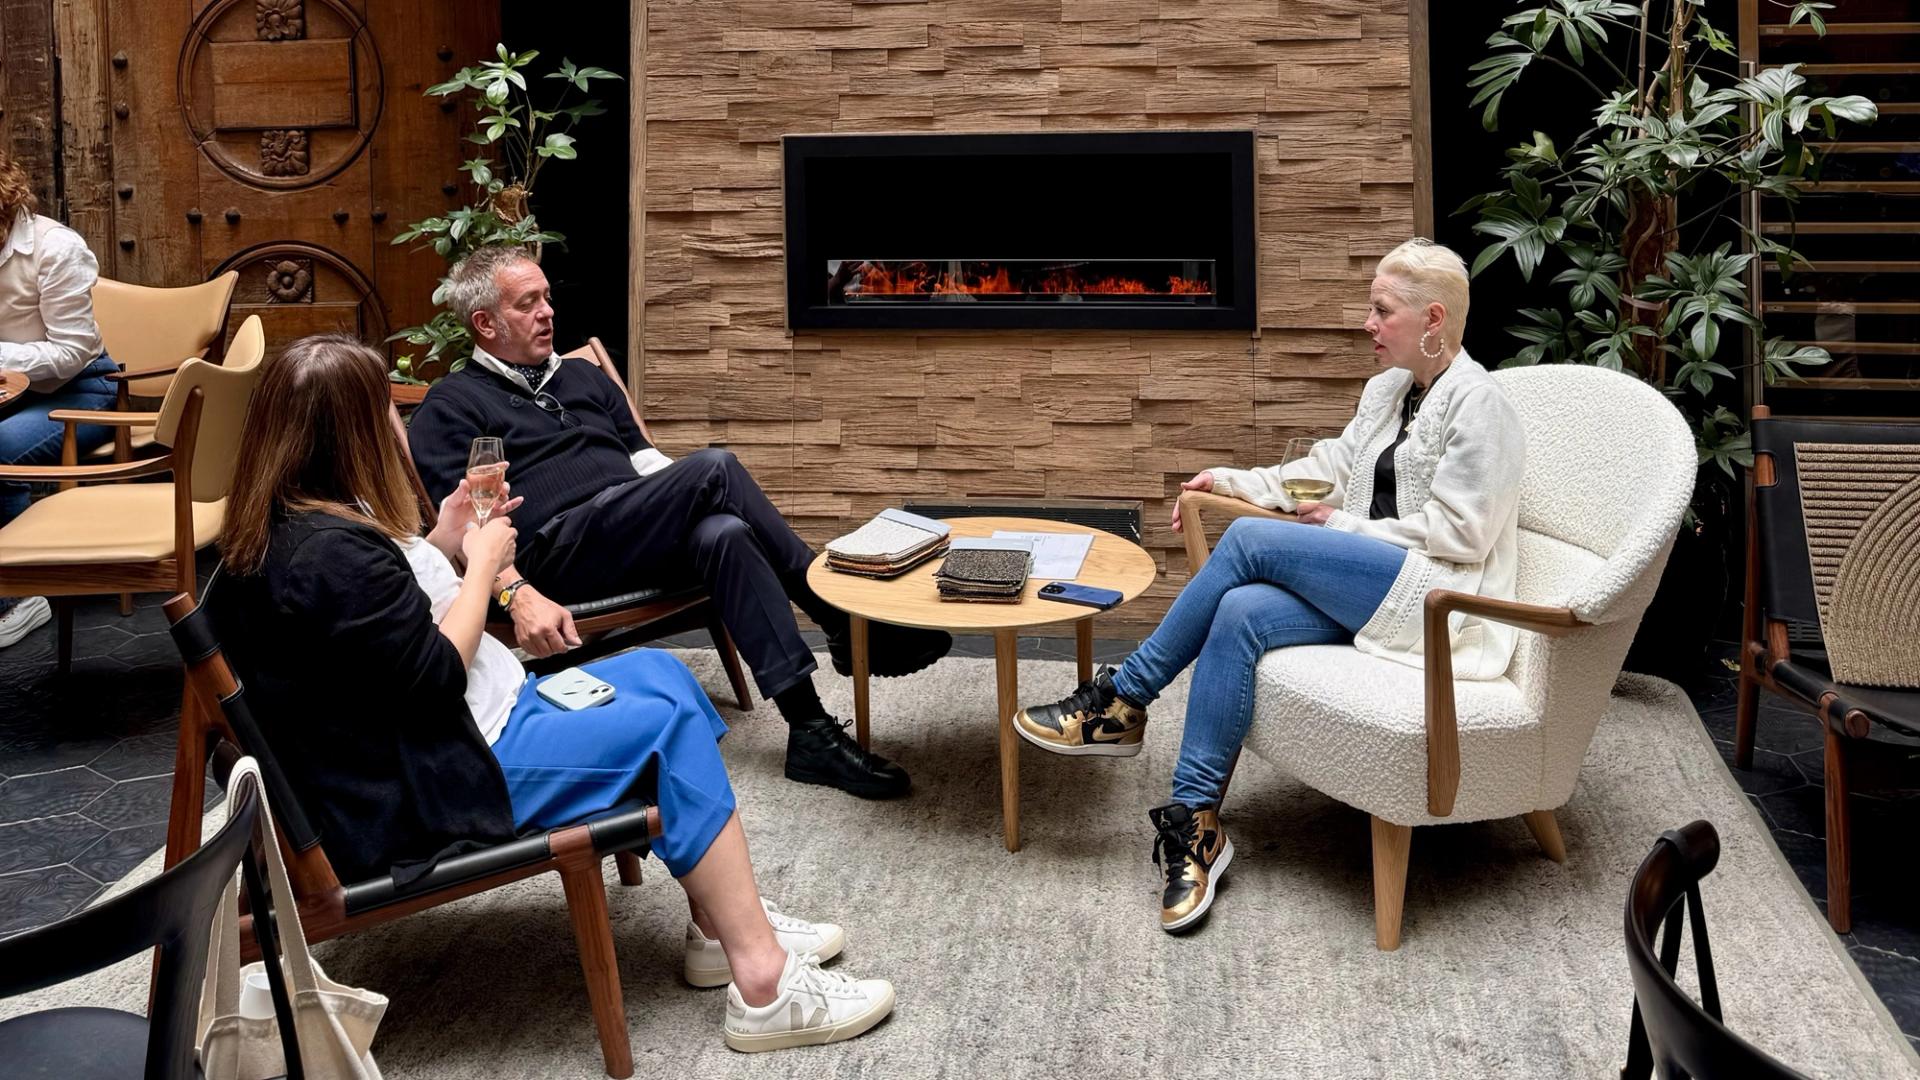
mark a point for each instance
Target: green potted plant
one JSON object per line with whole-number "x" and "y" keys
{"x": 517, "y": 137}
{"x": 1677, "y": 136}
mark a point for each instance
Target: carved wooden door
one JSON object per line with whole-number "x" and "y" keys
{"x": 288, "y": 140}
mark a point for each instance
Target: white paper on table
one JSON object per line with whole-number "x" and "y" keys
{"x": 1056, "y": 556}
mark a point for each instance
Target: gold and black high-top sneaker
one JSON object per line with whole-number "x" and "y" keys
{"x": 1194, "y": 851}
{"x": 1093, "y": 720}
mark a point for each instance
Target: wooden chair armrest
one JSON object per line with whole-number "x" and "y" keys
{"x": 123, "y": 376}
{"x": 47, "y": 474}
{"x": 105, "y": 417}
{"x": 1195, "y": 504}
{"x": 1443, "y": 721}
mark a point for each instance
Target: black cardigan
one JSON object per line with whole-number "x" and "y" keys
{"x": 360, "y": 699}
{"x": 555, "y": 462}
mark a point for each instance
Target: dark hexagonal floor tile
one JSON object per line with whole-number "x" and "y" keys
{"x": 1896, "y": 979}
{"x": 37, "y": 897}
{"x": 46, "y": 752}
{"x": 1771, "y": 772}
{"x": 50, "y": 793}
{"x": 47, "y": 841}
{"x": 121, "y": 850}
{"x": 132, "y": 802}
{"x": 138, "y": 756}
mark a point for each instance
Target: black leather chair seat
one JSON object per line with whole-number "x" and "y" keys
{"x": 626, "y": 600}
{"x": 624, "y": 828}
{"x": 1811, "y": 679}
{"x": 74, "y": 1044}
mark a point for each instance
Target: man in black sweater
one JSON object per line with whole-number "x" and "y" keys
{"x": 605, "y": 513}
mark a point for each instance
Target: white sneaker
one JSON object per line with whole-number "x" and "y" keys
{"x": 815, "y": 1006}
{"x": 30, "y": 614}
{"x": 706, "y": 963}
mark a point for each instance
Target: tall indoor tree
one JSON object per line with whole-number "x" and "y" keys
{"x": 1626, "y": 214}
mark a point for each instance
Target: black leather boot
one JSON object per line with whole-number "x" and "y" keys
{"x": 819, "y": 751}
{"x": 891, "y": 650}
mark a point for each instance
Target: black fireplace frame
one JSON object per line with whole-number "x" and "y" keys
{"x": 1237, "y": 308}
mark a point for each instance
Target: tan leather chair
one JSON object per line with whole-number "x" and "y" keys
{"x": 83, "y": 541}
{"x": 150, "y": 332}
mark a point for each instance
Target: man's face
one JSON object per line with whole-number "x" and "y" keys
{"x": 520, "y": 329}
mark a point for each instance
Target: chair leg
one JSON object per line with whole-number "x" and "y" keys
{"x": 587, "y": 904}
{"x": 1839, "y": 837}
{"x": 126, "y": 603}
{"x": 63, "y": 621}
{"x": 730, "y": 657}
{"x": 629, "y": 865}
{"x": 1546, "y": 830}
{"x": 1392, "y": 844}
{"x": 1746, "y": 715}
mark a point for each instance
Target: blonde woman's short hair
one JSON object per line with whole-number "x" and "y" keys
{"x": 1423, "y": 273}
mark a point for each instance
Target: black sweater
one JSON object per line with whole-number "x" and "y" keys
{"x": 360, "y": 699}
{"x": 555, "y": 462}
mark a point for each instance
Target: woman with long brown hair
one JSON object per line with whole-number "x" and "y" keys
{"x": 409, "y": 733}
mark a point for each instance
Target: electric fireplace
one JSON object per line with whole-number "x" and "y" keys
{"x": 1115, "y": 230}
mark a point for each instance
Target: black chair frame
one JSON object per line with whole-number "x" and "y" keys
{"x": 1670, "y": 1030}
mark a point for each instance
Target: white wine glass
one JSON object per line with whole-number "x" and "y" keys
{"x": 486, "y": 469}
{"x": 1303, "y": 485}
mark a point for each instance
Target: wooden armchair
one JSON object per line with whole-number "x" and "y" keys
{"x": 1410, "y": 746}
{"x": 150, "y": 332}
{"x": 611, "y": 622}
{"x": 1831, "y": 511}
{"x": 215, "y": 707}
{"x": 141, "y": 537}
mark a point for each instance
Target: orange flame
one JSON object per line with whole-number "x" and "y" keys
{"x": 920, "y": 279}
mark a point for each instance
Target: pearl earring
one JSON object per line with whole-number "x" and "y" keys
{"x": 1435, "y": 354}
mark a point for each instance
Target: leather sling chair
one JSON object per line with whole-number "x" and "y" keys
{"x": 150, "y": 332}
{"x": 113, "y": 537}
{"x": 1670, "y": 1029}
{"x": 172, "y": 913}
{"x": 611, "y": 622}
{"x": 215, "y": 707}
{"x": 1827, "y": 547}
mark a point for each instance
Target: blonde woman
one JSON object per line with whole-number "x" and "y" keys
{"x": 1426, "y": 490}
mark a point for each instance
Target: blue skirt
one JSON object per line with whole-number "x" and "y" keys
{"x": 657, "y": 739}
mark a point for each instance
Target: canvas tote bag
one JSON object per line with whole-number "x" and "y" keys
{"x": 334, "y": 1023}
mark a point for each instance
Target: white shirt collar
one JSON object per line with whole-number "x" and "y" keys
{"x": 19, "y": 235}
{"x": 506, "y": 371}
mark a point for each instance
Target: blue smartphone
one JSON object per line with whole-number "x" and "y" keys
{"x": 1069, "y": 593}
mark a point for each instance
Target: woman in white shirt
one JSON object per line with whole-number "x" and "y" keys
{"x": 47, "y": 332}
{"x": 1426, "y": 496}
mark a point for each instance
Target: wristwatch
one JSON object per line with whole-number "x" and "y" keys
{"x": 505, "y": 596}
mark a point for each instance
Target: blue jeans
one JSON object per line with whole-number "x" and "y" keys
{"x": 1269, "y": 584}
{"x": 27, "y": 437}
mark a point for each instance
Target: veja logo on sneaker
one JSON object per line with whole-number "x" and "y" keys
{"x": 794, "y": 1016}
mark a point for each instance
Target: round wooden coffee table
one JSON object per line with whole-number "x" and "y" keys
{"x": 13, "y": 387}
{"x": 912, "y": 600}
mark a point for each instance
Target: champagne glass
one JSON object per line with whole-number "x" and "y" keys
{"x": 486, "y": 468}
{"x": 1303, "y": 486}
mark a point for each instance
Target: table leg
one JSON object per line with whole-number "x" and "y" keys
{"x": 1083, "y": 637}
{"x": 1006, "y": 663}
{"x": 859, "y": 627}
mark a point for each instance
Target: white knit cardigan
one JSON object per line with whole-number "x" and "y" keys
{"x": 1457, "y": 489}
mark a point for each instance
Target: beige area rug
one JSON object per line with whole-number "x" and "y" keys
{"x": 1050, "y": 962}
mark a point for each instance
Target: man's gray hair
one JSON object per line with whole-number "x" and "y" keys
{"x": 473, "y": 283}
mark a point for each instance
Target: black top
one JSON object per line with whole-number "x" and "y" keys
{"x": 360, "y": 699}
{"x": 1386, "y": 494}
{"x": 558, "y": 457}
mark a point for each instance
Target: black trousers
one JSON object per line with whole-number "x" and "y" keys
{"x": 702, "y": 519}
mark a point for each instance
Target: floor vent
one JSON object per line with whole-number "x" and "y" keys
{"x": 1121, "y": 518}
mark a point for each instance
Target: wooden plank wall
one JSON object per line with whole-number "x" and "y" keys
{"x": 838, "y": 425}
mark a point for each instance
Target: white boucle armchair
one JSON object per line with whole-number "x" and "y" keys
{"x": 1609, "y": 473}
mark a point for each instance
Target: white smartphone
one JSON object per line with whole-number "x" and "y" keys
{"x": 574, "y": 689}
